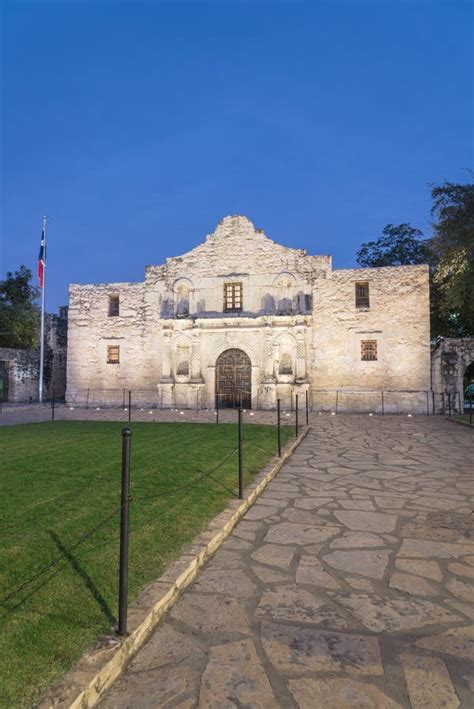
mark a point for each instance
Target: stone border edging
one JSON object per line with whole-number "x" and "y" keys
{"x": 95, "y": 672}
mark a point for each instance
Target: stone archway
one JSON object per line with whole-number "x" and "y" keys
{"x": 234, "y": 379}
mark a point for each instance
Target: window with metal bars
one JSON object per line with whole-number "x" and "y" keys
{"x": 232, "y": 297}
{"x": 114, "y": 305}
{"x": 362, "y": 294}
{"x": 368, "y": 350}
{"x": 113, "y": 354}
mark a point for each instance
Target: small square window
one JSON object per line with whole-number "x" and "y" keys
{"x": 113, "y": 354}
{"x": 368, "y": 350}
{"x": 362, "y": 294}
{"x": 114, "y": 306}
{"x": 232, "y": 296}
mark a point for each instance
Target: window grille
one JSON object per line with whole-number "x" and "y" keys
{"x": 232, "y": 297}
{"x": 114, "y": 306}
{"x": 362, "y": 294}
{"x": 113, "y": 354}
{"x": 368, "y": 350}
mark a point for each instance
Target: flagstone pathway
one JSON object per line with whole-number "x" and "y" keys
{"x": 350, "y": 583}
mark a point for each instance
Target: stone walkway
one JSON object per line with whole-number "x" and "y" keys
{"x": 350, "y": 583}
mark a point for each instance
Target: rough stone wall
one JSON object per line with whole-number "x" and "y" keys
{"x": 397, "y": 318}
{"x": 299, "y": 325}
{"x": 450, "y": 357}
{"x": 22, "y": 366}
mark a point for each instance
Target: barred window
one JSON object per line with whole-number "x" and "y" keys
{"x": 114, "y": 306}
{"x": 368, "y": 350}
{"x": 362, "y": 294}
{"x": 113, "y": 354}
{"x": 232, "y": 297}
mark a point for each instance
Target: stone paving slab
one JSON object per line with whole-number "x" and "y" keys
{"x": 332, "y": 604}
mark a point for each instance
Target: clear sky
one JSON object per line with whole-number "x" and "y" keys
{"x": 138, "y": 125}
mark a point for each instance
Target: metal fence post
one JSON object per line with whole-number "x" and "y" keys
{"x": 427, "y": 403}
{"x": 337, "y": 399}
{"x": 217, "y": 408}
{"x": 383, "y": 406}
{"x": 433, "y": 410}
{"x": 278, "y": 427}
{"x": 241, "y": 477}
{"x": 307, "y": 408}
{"x": 470, "y": 408}
{"x": 461, "y": 407}
{"x": 296, "y": 415}
{"x": 123, "y": 399}
{"x": 52, "y": 408}
{"x": 87, "y": 399}
{"x": 449, "y": 404}
{"x": 129, "y": 405}
{"x": 123, "y": 568}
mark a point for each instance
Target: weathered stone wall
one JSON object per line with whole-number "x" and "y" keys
{"x": 450, "y": 358}
{"x": 171, "y": 328}
{"x": 22, "y": 366}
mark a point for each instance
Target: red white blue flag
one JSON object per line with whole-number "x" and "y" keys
{"x": 41, "y": 260}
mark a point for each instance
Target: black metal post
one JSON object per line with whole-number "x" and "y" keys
{"x": 470, "y": 408}
{"x": 296, "y": 415}
{"x": 307, "y": 408}
{"x": 383, "y": 406}
{"x": 449, "y": 404}
{"x": 52, "y": 408}
{"x": 129, "y": 405}
{"x": 217, "y": 408}
{"x": 241, "y": 477}
{"x": 123, "y": 569}
{"x": 461, "y": 407}
{"x": 123, "y": 399}
{"x": 87, "y": 400}
{"x": 337, "y": 399}
{"x": 278, "y": 427}
{"x": 433, "y": 402}
{"x": 427, "y": 403}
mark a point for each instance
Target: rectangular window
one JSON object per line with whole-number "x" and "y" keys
{"x": 114, "y": 308}
{"x": 113, "y": 354}
{"x": 368, "y": 350}
{"x": 232, "y": 297}
{"x": 362, "y": 294}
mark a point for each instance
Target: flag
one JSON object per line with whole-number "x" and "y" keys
{"x": 41, "y": 260}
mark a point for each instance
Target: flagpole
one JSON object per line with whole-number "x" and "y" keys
{"x": 42, "y": 318}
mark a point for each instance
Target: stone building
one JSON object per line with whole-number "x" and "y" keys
{"x": 19, "y": 368}
{"x": 253, "y": 321}
{"x": 452, "y": 363}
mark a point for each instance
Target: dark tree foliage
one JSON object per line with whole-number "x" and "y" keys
{"x": 398, "y": 246}
{"x": 452, "y": 246}
{"x": 19, "y": 317}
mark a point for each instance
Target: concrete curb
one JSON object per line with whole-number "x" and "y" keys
{"x": 96, "y": 671}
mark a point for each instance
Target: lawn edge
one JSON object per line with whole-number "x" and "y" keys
{"x": 84, "y": 685}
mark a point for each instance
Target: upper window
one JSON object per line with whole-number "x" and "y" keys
{"x": 113, "y": 354}
{"x": 232, "y": 296}
{"x": 368, "y": 350}
{"x": 362, "y": 294}
{"x": 114, "y": 305}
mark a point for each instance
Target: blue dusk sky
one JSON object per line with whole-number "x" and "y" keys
{"x": 138, "y": 125}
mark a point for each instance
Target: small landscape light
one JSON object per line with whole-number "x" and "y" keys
{"x": 150, "y": 412}
{"x": 72, "y": 408}
{"x": 409, "y": 416}
{"x": 252, "y": 413}
{"x": 333, "y": 413}
{"x": 98, "y": 408}
{"x": 181, "y": 413}
{"x": 370, "y": 414}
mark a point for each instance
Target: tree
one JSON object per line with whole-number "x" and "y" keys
{"x": 18, "y": 313}
{"x": 398, "y": 246}
{"x": 452, "y": 246}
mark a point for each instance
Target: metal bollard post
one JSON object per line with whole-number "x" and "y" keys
{"x": 296, "y": 415}
{"x": 307, "y": 408}
{"x": 241, "y": 477}
{"x": 217, "y": 408}
{"x": 52, "y": 409}
{"x": 123, "y": 568}
{"x": 278, "y": 427}
{"x": 129, "y": 405}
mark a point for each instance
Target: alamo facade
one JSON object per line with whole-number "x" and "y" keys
{"x": 252, "y": 321}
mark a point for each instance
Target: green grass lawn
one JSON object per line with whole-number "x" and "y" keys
{"x": 464, "y": 417}
{"x": 57, "y": 481}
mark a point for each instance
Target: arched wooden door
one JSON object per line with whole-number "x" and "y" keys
{"x": 234, "y": 379}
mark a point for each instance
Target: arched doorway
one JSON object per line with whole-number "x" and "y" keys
{"x": 234, "y": 379}
{"x": 468, "y": 387}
